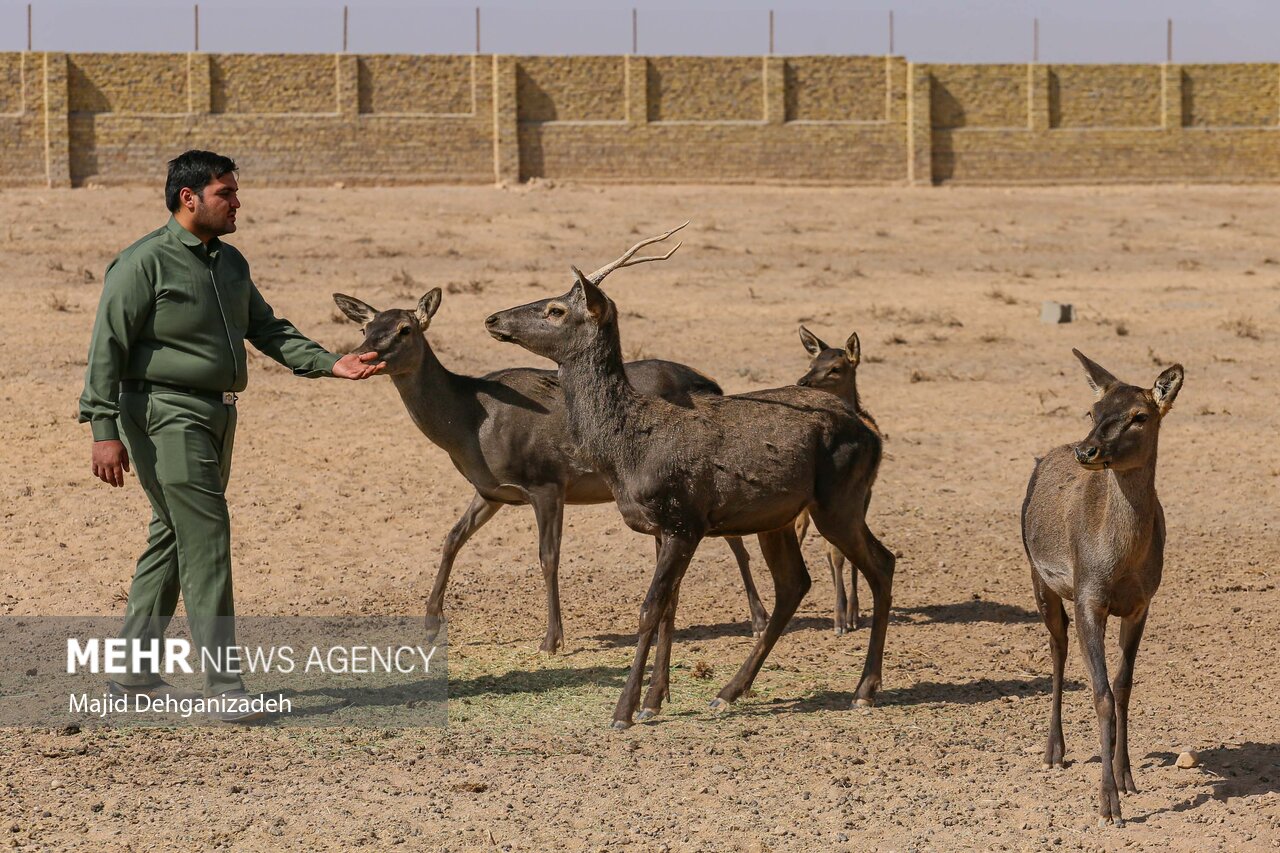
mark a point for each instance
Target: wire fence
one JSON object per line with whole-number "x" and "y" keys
{"x": 291, "y": 27}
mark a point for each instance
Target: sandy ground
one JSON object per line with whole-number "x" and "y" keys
{"x": 340, "y": 506}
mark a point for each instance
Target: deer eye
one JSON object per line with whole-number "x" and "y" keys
{"x": 404, "y": 330}
{"x": 555, "y": 311}
{"x": 1140, "y": 417}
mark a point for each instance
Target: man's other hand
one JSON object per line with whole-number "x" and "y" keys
{"x": 352, "y": 366}
{"x": 110, "y": 462}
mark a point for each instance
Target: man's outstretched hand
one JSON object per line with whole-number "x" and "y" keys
{"x": 110, "y": 462}
{"x": 352, "y": 366}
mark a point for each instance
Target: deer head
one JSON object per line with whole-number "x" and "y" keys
{"x": 1126, "y": 418}
{"x": 831, "y": 369}
{"x": 558, "y": 327}
{"x": 397, "y": 334}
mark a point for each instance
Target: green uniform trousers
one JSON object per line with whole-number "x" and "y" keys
{"x": 180, "y": 447}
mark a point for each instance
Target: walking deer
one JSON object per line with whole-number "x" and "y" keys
{"x": 506, "y": 433}
{"x": 1093, "y": 529}
{"x": 835, "y": 370}
{"x": 722, "y": 466}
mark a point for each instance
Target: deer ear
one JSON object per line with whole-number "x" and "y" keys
{"x": 597, "y": 303}
{"x": 812, "y": 343}
{"x": 428, "y": 305}
{"x": 356, "y": 311}
{"x": 1099, "y": 379}
{"x": 853, "y": 349}
{"x": 1167, "y": 386}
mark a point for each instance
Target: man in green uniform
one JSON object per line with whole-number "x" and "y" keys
{"x": 166, "y": 360}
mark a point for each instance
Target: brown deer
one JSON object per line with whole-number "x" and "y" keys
{"x": 835, "y": 370}
{"x": 506, "y": 433}
{"x": 1093, "y": 529}
{"x": 723, "y": 466}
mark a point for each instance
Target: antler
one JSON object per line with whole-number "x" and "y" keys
{"x": 628, "y": 259}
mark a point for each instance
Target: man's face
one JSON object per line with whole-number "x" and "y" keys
{"x": 216, "y": 205}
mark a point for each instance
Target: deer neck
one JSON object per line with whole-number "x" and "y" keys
{"x": 598, "y": 398}
{"x": 1130, "y": 506}
{"x": 438, "y": 402}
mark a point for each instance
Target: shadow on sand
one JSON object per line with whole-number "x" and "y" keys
{"x": 1238, "y": 770}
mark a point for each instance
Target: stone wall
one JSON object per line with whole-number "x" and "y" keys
{"x": 73, "y": 119}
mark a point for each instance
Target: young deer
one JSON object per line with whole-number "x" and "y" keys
{"x": 835, "y": 371}
{"x": 723, "y": 466}
{"x": 1093, "y": 529}
{"x": 506, "y": 433}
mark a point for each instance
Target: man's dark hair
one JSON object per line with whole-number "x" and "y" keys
{"x": 193, "y": 170}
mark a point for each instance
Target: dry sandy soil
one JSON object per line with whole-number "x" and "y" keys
{"x": 340, "y": 506}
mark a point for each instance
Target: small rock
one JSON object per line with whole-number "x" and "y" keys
{"x": 1187, "y": 760}
{"x": 1057, "y": 312}
{"x": 31, "y": 672}
{"x": 840, "y": 836}
{"x": 70, "y": 729}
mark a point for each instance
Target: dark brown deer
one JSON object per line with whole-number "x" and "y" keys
{"x": 506, "y": 433}
{"x": 835, "y": 371}
{"x": 1094, "y": 532}
{"x": 723, "y": 466}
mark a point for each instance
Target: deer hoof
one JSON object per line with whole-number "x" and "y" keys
{"x": 1106, "y": 821}
{"x": 620, "y": 725}
{"x": 718, "y": 705}
{"x": 646, "y": 714}
{"x": 864, "y": 703}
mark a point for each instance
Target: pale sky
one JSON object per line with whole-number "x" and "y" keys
{"x": 924, "y": 30}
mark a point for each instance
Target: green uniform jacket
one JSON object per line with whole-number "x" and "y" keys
{"x": 175, "y": 312}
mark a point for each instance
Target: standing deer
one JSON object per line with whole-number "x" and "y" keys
{"x": 1093, "y": 529}
{"x": 835, "y": 370}
{"x": 723, "y": 466}
{"x": 505, "y": 432}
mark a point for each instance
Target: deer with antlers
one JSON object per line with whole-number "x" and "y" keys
{"x": 723, "y": 466}
{"x": 835, "y": 370}
{"x": 506, "y": 433}
{"x": 1093, "y": 529}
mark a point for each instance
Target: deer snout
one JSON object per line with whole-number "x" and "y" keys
{"x": 803, "y": 381}
{"x": 493, "y": 323}
{"x": 1086, "y": 455}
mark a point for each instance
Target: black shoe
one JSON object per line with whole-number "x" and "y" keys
{"x": 158, "y": 690}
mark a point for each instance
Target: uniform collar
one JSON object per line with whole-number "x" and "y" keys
{"x": 192, "y": 242}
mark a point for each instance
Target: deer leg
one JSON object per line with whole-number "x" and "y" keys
{"x": 473, "y": 518}
{"x": 1091, "y": 630}
{"x": 790, "y": 583}
{"x": 674, "y": 554}
{"x": 837, "y": 582}
{"x": 876, "y": 563}
{"x": 759, "y": 616}
{"x": 851, "y": 616}
{"x": 1130, "y": 636}
{"x": 1055, "y": 619}
{"x": 802, "y": 526}
{"x": 548, "y": 510}
{"x": 660, "y": 678}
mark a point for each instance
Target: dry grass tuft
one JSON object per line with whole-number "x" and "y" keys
{"x": 998, "y": 295}
{"x": 913, "y": 317}
{"x": 1242, "y": 327}
{"x": 702, "y": 670}
{"x": 59, "y": 302}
